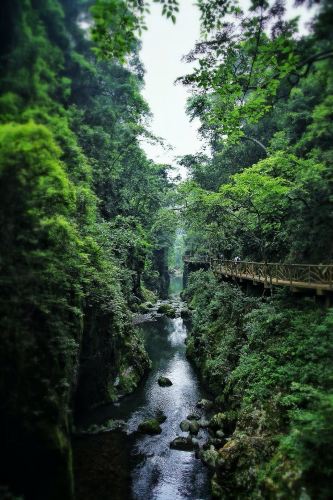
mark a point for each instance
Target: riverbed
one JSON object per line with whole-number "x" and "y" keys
{"x": 130, "y": 465}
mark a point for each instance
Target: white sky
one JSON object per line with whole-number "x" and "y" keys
{"x": 163, "y": 46}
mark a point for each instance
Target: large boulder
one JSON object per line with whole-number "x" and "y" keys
{"x": 193, "y": 416}
{"x": 167, "y": 309}
{"x": 183, "y": 444}
{"x": 151, "y": 426}
{"x": 164, "y": 382}
{"x": 160, "y": 416}
{"x": 184, "y": 425}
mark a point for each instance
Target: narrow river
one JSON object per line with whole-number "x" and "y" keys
{"x": 150, "y": 469}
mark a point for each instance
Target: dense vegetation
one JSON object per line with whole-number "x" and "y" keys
{"x": 86, "y": 231}
{"x": 264, "y": 98}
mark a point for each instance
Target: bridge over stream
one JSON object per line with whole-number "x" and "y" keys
{"x": 317, "y": 277}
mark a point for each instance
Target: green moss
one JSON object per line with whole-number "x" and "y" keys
{"x": 151, "y": 426}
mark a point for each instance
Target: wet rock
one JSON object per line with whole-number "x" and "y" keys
{"x": 164, "y": 382}
{"x": 167, "y": 309}
{"x": 205, "y": 404}
{"x": 143, "y": 308}
{"x": 108, "y": 426}
{"x": 183, "y": 444}
{"x": 193, "y": 416}
{"x": 194, "y": 427}
{"x": 151, "y": 426}
{"x": 184, "y": 425}
{"x": 160, "y": 416}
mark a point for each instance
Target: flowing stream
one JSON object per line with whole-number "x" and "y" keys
{"x": 141, "y": 466}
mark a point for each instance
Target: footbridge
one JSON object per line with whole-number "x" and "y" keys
{"x": 317, "y": 277}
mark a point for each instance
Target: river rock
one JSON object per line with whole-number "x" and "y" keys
{"x": 164, "y": 382}
{"x": 167, "y": 309}
{"x": 160, "y": 416}
{"x": 151, "y": 426}
{"x": 184, "y": 425}
{"x": 205, "y": 403}
{"x": 193, "y": 416}
{"x": 194, "y": 427}
{"x": 183, "y": 444}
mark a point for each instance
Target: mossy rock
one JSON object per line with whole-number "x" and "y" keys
{"x": 183, "y": 444}
{"x": 160, "y": 416}
{"x": 167, "y": 309}
{"x": 144, "y": 308}
{"x": 185, "y": 425}
{"x": 164, "y": 382}
{"x": 194, "y": 427}
{"x": 218, "y": 421}
{"x": 151, "y": 426}
{"x": 210, "y": 457}
{"x": 193, "y": 416}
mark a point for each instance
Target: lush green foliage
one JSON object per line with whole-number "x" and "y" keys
{"x": 83, "y": 222}
{"x": 270, "y": 366}
{"x": 265, "y": 193}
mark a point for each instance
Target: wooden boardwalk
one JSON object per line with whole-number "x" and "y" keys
{"x": 318, "y": 277}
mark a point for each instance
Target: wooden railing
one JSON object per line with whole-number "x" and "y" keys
{"x": 312, "y": 276}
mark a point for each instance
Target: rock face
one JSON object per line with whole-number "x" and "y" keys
{"x": 151, "y": 426}
{"x": 183, "y": 444}
{"x": 164, "y": 382}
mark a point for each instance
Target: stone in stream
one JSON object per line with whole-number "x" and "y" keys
{"x": 167, "y": 309}
{"x": 160, "y": 416}
{"x": 184, "y": 425}
{"x": 183, "y": 444}
{"x": 193, "y": 416}
{"x": 151, "y": 426}
{"x": 164, "y": 382}
{"x": 194, "y": 427}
